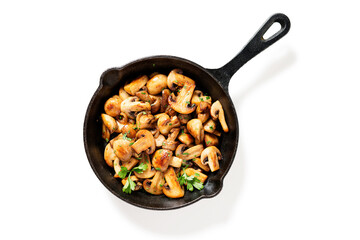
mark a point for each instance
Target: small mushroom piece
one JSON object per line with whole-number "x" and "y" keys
{"x": 181, "y": 102}
{"x": 186, "y": 138}
{"x": 203, "y": 111}
{"x": 155, "y": 104}
{"x": 109, "y": 155}
{"x": 122, "y": 149}
{"x": 211, "y": 156}
{"x": 217, "y": 133}
{"x": 130, "y": 164}
{"x": 165, "y": 123}
{"x": 135, "y": 180}
{"x": 161, "y": 159}
{"x": 217, "y": 112}
{"x": 180, "y": 150}
{"x": 156, "y": 84}
{"x": 196, "y": 173}
{"x": 170, "y": 142}
{"x": 145, "y": 120}
{"x": 176, "y": 78}
{"x": 149, "y": 172}
{"x": 175, "y": 162}
{"x": 112, "y": 106}
{"x": 123, "y": 94}
{"x": 196, "y": 129}
{"x": 172, "y": 188}
{"x": 132, "y": 105}
{"x": 145, "y": 142}
{"x": 192, "y": 152}
{"x": 184, "y": 118}
{"x": 155, "y": 185}
{"x": 143, "y": 95}
{"x": 159, "y": 141}
{"x": 211, "y": 140}
{"x": 198, "y": 162}
{"x": 129, "y": 130}
{"x": 198, "y": 97}
{"x": 135, "y": 85}
{"x": 109, "y": 122}
{"x": 105, "y": 133}
{"x": 155, "y": 132}
{"x": 164, "y": 99}
{"x": 210, "y": 126}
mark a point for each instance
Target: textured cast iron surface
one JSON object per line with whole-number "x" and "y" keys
{"x": 212, "y": 81}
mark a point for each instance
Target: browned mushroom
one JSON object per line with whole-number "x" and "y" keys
{"x": 211, "y": 156}
{"x": 155, "y": 104}
{"x": 203, "y": 111}
{"x": 175, "y": 162}
{"x": 161, "y": 159}
{"x": 123, "y": 94}
{"x": 196, "y": 173}
{"x": 145, "y": 120}
{"x": 112, "y": 106}
{"x": 159, "y": 140}
{"x": 156, "y": 84}
{"x": 198, "y": 97}
{"x": 217, "y": 112}
{"x": 145, "y": 142}
{"x": 211, "y": 140}
{"x": 165, "y": 123}
{"x": 170, "y": 143}
{"x": 122, "y": 148}
{"x": 210, "y": 126}
{"x": 176, "y": 78}
{"x": 180, "y": 150}
{"x": 109, "y": 122}
{"x": 132, "y": 105}
{"x": 196, "y": 129}
{"x": 149, "y": 172}
{"x": 181, "y": 102}
{"x": 184, "y": 118}
{"x": 155, "y": 185}
{"x": 135, "y": 85}
{"x": 186, "y": 138}
{"x": 198, "y": 162}
{"x": 105, "y": 134}
{"x": 109, "y": 155}
{"x": 192, "y": 152}
{"x": 164, "y": 99}
{"x": 172, "y": 188}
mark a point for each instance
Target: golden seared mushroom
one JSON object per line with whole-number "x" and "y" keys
{"x": 155, "y": 185}
{"x": 192, "y": 152}
{"x": 164, "y": 99}
{"x": 198, "y": 162}
{"x": 109, "y": 122}
{"x": 155, "y": 131}
{"x": 198, "y": 97}
{"x": 211, "y": 140}
{"x": 105, "y": 134}
{"x": 181, "y": 102}
{"x": 122, "y": 148}
{"x": 132, "y": 105}
{"x": 175, "y": 162}
{"x": 203, "y": 111}
{"x": 161, "y": 159}
{"x": 172, "y": 188}
{"x": 145, "y": 142}
{"x": 176, "y": 78}
{"x": 123, "y": 94}
{"x": 217, "y": 112}
{"x": 156, "y": 84}
{"x": 210, "y": 126}
{"x": 149, "y": 172}
{"x": 130, "y": 164}
{"x": 129, "y": 130}
{"x": 135, "y": 85}
{"x": 169, "y": 111}
{"x": 199, "y": 175}
{"x": 186, "y": 138}
{"x": 159, "y": 140}
{"x": 165, "y": 123}
{"x": 109, "y": 155}
{"x": 143, "y": 95}
{"x": 155, "y": 104}
{"x": 170, "y": 143}
{"x": 196, "y": 129}
{"x": 184, "y": 118}
{"x": 145, "y": 120}
{"x": 138, "y": 185}
{"x": 180, "y": 150}
{"x": 112, "y": 106}
{"x": 211, "y": 156}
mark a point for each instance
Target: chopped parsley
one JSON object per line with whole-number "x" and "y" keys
{"x": 130, "y": 185}
{"x": 191, "y": 182}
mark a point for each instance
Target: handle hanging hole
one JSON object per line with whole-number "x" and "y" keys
{"x": 272, "y": 31}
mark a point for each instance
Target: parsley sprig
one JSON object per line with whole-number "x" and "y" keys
{"x": 130, "y": 185}
{"x": 191, "y": 181}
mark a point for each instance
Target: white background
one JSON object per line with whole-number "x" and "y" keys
{"x": 296, "y": 174}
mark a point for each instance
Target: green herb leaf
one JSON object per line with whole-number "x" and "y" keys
{"x": 141, "y": 168}
{"x": 129, "y": 186}
{"x": 123, "y": 172}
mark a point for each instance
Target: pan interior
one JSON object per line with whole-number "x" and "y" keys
{"x": 110, "y": 82}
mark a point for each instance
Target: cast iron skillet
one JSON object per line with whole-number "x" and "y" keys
{"x": 213, "y": 81}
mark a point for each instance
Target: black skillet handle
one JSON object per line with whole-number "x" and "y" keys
{"x": 256, "y": 45}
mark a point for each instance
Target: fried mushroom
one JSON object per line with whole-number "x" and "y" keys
{"x": 172, "y": 188}
{"x": 211, "y": 156}
{"x": 217, "y": 112}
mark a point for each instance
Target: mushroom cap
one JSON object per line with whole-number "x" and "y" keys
{"x": 192, "y": 152}
{"x": 203, "y": 111}
{"x": 211, "y": 156}
{"x": 112, "y": 106}
{"x": 196, "y": 129}
{"x": 181, "y": 102}
{"x": 180, "y": 150}
{"x": 149, "y": 172}
{"x": 176, "y": 78}
{"x": 145, "y": 142}
{"x": 131, "y": 105}
{"x": 210, "y": 126}
{"x": 170, "y": 142}
{"x": 122, "y": 149}
{"x": 198, "y": 97}
{"x": 211, "y": 140}
{"x": 186, "y": 138}
{"x": 217, "y": 112}
{"x": 135, "y": 85}
{"x": 172, "y": 188}
{"x": 123, "y": 94}
{"x": 109, "y": 155}
{"x": 155, "y": 185}
{"x": 145, "y": 120}
{"x": 165, "y": 123}
{"x": 198, "y": 162}
{"x": 156, "y": 84}
{"x": 109, "y": 122}
{"x": 161, "y": 159}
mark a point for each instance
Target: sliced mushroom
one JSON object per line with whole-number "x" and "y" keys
{"x": 117, "y": 167}
{"x": 156, "y": 84}
{"x": 145, "y": 142}
{"x": 203, "y": 111}
{"x": 105, "y": 134}
{"x": 198, "y": 162}
{"x": 186, "y": 138}
{"x": 175, "y": 162}
{"x": 145, "y": 120}
{"x": 211, "y": 156}
{"x": 159, "y": 141}
{"x": 109, "y": 155}
{"x": 161, "y": 159}
{"x": 164, "y": 99}
{"x": 155, "y": 104}
{"x": 130, "y": 164}
{"x": 122, "y": 149}
{"x": 196, "y": 173}
{"x": 132, "y": 105}
{"x": 109, "y": 122}
{"x": 184, "y": 118}
{"x": 181, "y": 102}
{"x": 192, "y": 152}
{"x": 135, "y": 85}
{"x": 155, "y": 131}
{"x": 217, "y": 112}
{"x": 112, "y": 106}
{"x": 172, "y": 188}
{"x": 180, "y": 150}
{"x": 198, "y": 97}
{"x": 123, "y": 94}
{"x": 217, "y": 133}
{"x": 211, "y": 140}
{"x": 176, "y": 78}
{"x": 169, "y": 111}
{"x": 196, "y": 129}
{"x": 155, "y": 185}
{"x": 165, "y": 123}
{"x": 138, "y": 185}
{"x": 210, "y": 126}
{"x": 129, "y": 130}
{"x": 143, "y": 95}
{"x": 170, "y": 142}
{"x": 149, "y": 172}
